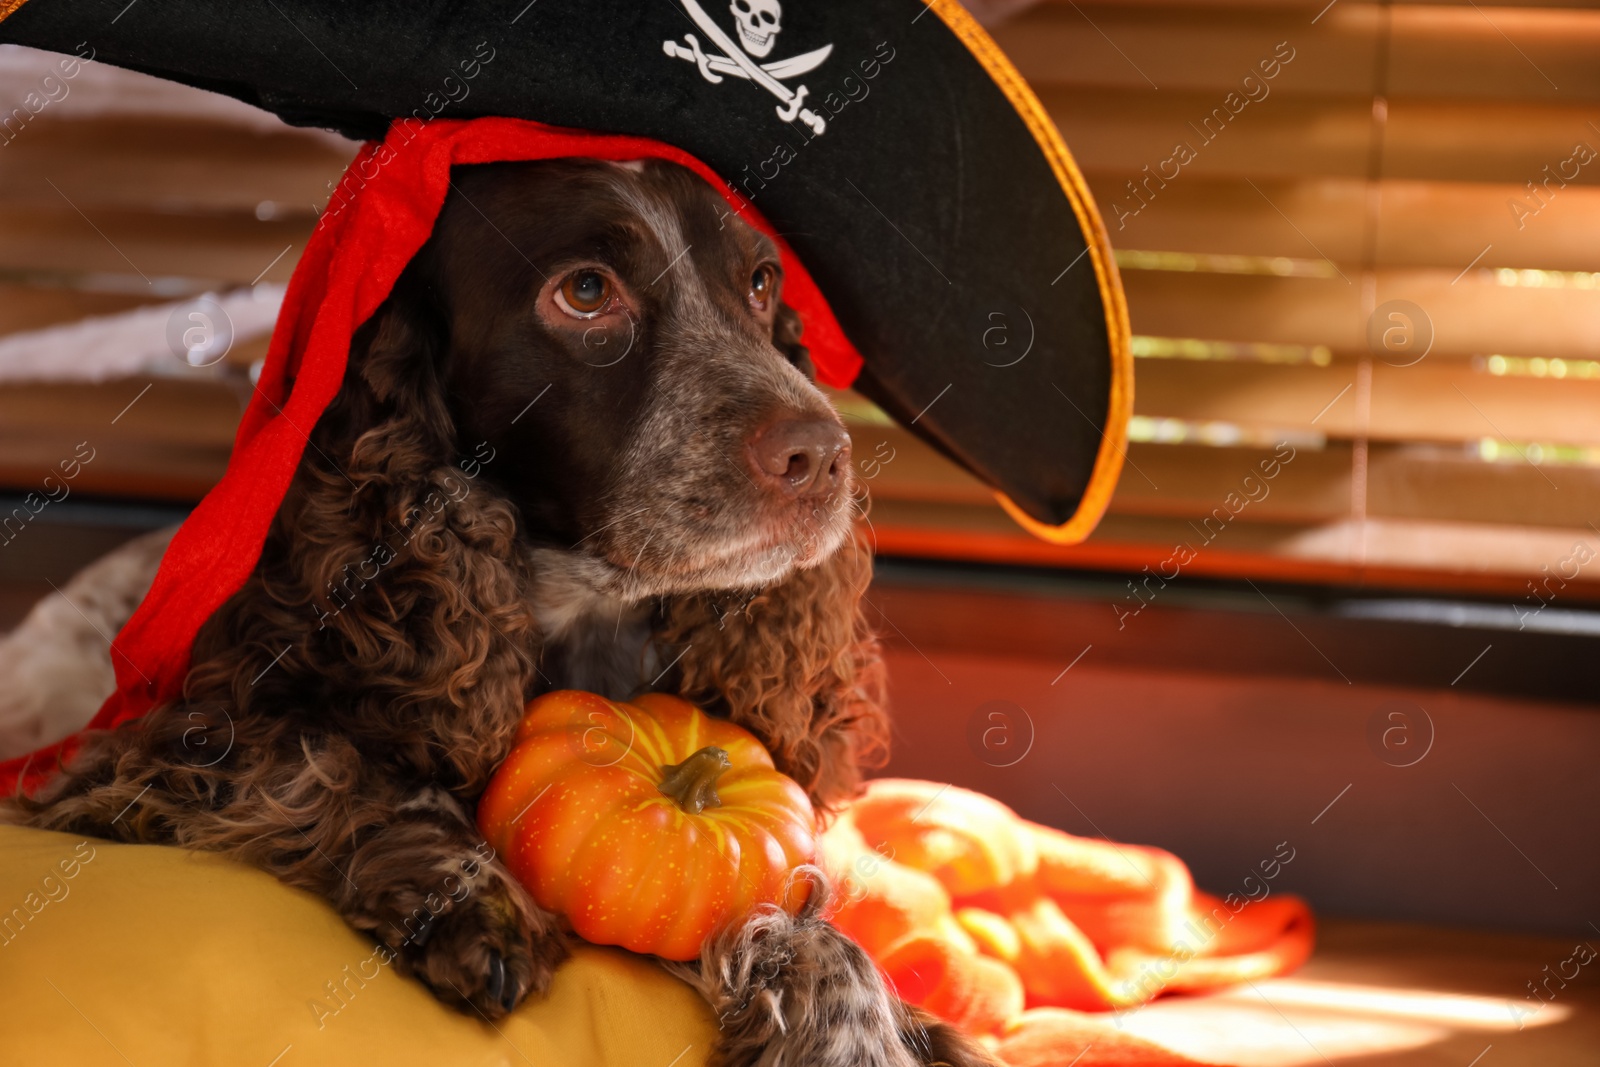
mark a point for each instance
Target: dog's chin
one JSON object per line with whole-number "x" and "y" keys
{"x": 754, "y": 556}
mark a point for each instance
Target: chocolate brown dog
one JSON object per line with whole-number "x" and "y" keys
{"x": 578, "y": 446}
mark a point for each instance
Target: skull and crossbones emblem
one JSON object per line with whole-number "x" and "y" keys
{"x": 760, "y": 22}
{"x": 757, "y": 24}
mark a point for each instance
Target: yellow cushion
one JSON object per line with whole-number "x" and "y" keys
{"x": 119, "y": 954}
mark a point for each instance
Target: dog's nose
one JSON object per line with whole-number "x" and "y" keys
{"x": 805, "y": 457}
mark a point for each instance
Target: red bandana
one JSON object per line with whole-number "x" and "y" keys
{"x": 379, "y": 216}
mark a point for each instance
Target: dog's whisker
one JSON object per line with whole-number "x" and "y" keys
{"x": 639, "y": 556}
{"x": 607, "y": 526}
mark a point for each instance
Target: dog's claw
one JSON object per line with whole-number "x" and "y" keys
{"x": 502, "y": 987}
{"x": 424, "y": 932}
{"x": 497, "y": 975}
{"x": 485, "y": 953}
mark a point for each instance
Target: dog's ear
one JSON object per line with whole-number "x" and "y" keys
{"x": 396, "y": 357}
{"x": 786, "y": 330}
{"x": 797, "y": 665}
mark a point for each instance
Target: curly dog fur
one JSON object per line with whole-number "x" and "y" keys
{"x": 346, "y": 707}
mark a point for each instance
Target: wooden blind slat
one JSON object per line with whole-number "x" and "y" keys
{"x": 170, "y": 165}
{"x": 227, "y": 249}
{"x": 1192, "y": 47}
{"x": 1124, "y": 131}
{"x": 1420, "y": 224}
{"x": 1471, "y": 314}
{"x": 172, "y": 442}
{"x": 1192, "y": 481}
{"x": 35, "y": 307}
{"x": 1427, "y": 402}
{"x": 1448, "y": 50}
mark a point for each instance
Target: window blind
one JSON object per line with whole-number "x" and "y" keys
{"x": 1362, "y": 234}
{"x": 1369, "y": 233}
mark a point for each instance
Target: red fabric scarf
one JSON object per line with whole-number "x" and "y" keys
{"x": 379, "y": 216}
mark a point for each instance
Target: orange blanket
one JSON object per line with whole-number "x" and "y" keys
{"x": 1015, "y": 931}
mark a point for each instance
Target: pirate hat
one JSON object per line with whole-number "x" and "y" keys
{"x": 907, "y": 164}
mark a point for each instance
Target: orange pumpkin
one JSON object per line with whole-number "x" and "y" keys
{"x": 649, "y": 825}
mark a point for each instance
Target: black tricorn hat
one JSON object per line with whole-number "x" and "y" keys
{"x": 890, "y": 142}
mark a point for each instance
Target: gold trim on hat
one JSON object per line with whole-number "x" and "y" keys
{"x": 1114, "y": 436}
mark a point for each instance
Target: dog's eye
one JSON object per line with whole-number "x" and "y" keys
{"x": 762, "y": 283}
{"x": 584, "y": 293}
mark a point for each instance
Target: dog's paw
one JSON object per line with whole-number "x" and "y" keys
{"x": 793, "y": 990}
{"x": 486, "y": 953}
{"x": 481, "y": 952}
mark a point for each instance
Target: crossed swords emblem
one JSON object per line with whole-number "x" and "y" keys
{"x": 734, "y": 63}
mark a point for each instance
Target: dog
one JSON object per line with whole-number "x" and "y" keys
{"x": 579, "y": 446}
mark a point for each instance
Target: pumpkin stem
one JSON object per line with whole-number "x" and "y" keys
{"x": 693, "y": 783}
